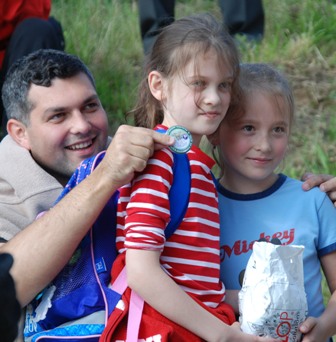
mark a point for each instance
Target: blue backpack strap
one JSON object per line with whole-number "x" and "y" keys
{"x": 104, "y": 239}
{"x": 179, "y": 192}
{"x": 103, "y": 235}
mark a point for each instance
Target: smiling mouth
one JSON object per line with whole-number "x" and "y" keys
{"x": 80, "y": 146}
{"x": 212, "y": 114}
{"x": 260, "y": 160}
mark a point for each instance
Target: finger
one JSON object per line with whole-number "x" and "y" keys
{"x": 332, "y": 196}
{"x": 131, "y": 140}
{"x": 316, "y": 180}
{"x": 308, "y": 325}
{"x": 162, "y": 140}
{"x": 329, "y": 184}
{"x": 306, "y": 176}
{"x": 138, "y": 154}
{"x": 144, "y": 137}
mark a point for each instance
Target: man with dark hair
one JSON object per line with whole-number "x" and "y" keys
{"x": 56, "y": 121}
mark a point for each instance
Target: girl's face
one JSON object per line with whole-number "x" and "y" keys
{"x": 254, "y": 145}
{"x": 198, "y": 100}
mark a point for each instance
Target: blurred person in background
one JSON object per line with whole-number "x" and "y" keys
{"x": 242, "y": 17}
{"x": 25, "y": 26}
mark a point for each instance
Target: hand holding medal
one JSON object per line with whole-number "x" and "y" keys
{"x": 183, "y": 139}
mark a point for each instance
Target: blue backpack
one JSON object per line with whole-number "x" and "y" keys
{"x": 77, "y": 304}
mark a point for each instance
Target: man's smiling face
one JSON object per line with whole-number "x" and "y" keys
{"x": 67, "y": 125}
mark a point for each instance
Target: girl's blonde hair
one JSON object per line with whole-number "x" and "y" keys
{"x": 177, "y": 44}
{"x": 264, "y": 78}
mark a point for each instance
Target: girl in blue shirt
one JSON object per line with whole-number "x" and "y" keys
{"x": 257, "y": 203}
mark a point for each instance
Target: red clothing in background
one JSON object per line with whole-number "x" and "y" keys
{"x": 12, "y": 12}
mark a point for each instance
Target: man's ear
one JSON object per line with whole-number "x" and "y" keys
{"x": 18, "y": 131}
{"x": 156, "y": 85}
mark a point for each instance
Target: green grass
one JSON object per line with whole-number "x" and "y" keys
{"x": 299, "y": 39}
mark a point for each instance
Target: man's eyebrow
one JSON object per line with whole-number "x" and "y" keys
{"x": 93, "y": 97}
{"x": 52, "y": 110}
{"x": 58, "y": 109}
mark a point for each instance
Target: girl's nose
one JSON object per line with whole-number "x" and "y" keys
{"x": 211, "y": 96}
{"x": 263, "y": 143}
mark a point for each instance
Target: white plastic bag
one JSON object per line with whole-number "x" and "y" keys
{"x": 272, "y": 301}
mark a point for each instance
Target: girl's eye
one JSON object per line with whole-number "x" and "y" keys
{"x": 198, "y": 84}
{"x": 226, "y": 86}
{"x": 248, "y": 128}
{"x": 279, "y": 130}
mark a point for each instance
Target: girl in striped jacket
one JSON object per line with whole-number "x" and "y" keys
{"x": 190, "y": 81}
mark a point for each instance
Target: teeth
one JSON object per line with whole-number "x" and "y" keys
{"x": 80, "y": 146}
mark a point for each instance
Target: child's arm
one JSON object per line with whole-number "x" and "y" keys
{"x": 146, "y": 276}
{"x": 323, "y": 327}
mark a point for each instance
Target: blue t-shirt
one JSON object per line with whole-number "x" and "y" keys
{"x": 283, "y": 211}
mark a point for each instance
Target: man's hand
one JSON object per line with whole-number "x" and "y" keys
{"x": 129, "y": 151}
{"x": 326, "y": 183}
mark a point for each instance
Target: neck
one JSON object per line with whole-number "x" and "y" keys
{"x": 61, "y": 178}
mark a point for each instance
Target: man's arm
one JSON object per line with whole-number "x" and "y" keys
{"x": 326, "y": 183}
{"x": 42, "y": 249}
